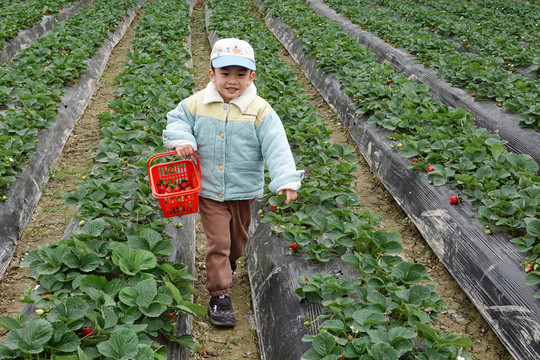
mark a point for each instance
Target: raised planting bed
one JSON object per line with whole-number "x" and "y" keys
{"x": 487, "y": 114}
{"x": 119, "y": 283}
{"x": 487, "y": 267}
{"x": 25, "y": 36}
{"x": 504, "y": 72}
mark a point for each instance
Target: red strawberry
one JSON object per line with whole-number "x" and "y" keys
{"x": 473, "y": 94}
{"x": 294, "y": 246}
{"x": 529, "y": 268}
{"x": 430, "y": 168}
{"x": 188, "y": 188}
{"x": 168, "y": 190}
{"x": 177, "y": 188}
{"x": 87, "y": 331}
{"x": 161, "y": 189}
{"x": 454, "y": 200}
{"x": 272, "y": 208}
{"x": 46, "y": 293}
{"x": 184, "y": 184}
{"x": 414, "y": 160}
{"x": 388, "y": 81}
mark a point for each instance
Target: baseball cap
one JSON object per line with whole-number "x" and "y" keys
{"x": 232, "y": 51}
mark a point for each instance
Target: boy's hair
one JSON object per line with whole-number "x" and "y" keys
{"x": 232, "y": 51}
{"x": 214, "y": 69}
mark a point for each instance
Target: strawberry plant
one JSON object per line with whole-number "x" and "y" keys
{"x": 31, "y": 86}
{"x": 501, "y": 185}
{"x": 486, "y": 70}
{"x": 16, "y": 16}
{"x": 112, "y": 275}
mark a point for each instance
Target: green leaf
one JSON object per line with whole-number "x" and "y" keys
{"x": 121, "y": 346}
{"x": 497, "y": 150}
{"x": 387, "y": 241}
{"x": 128, "y": 296}
{"x": 70, "y": 308}
{"x": 378, "y": 336}
{"x": 67, "y": 342}
{"x": 94, "y": 281}
{"x": 368, "y": 317}
{"x": 94, "y": 227}
{"x": 31, "y": 339}
{"x": 9, "y": 323}
{"x": 109, "y": 316}
{"x": 383, "y": 352}
{"x": 174, "y": 291}
{"x": 533, "y": 228}
{"x": 409, "y": 273}
{"x": 532, "y": 279}
{"x": 192, "y": 309}
{"x": 523, "y": 162}
{"x": 147, "y": 290}
{"x": 334, "y": 324}
{"x": 152, "y": 241}
{"x": 186, "y": 340}
{"x": 324, "y": 344}
{"x": 132, "y": 261}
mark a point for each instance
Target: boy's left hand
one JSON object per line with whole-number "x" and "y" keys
{"x": 290, "y": 195}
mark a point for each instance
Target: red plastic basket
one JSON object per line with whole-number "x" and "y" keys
{"x": 176, "y": 203}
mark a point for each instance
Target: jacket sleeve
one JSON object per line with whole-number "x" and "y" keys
{"x": 179, "y": 130}
{"x": 277, "y": 153}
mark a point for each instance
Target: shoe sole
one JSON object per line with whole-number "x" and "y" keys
{"x": 219, "y": 323}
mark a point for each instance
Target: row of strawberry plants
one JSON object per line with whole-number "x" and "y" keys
{"x": 487, "y": 30}
{"x": 443, "y": 141}
{"x": 107, "y": 291}
{"x": 525, "y": 10}
{"x": 515, "y": 7}
{"x": 453, "y": 60}
{"x": 31, "y": 86}
{"x": 388, "y": 301}
{"x": 19, "y": 15}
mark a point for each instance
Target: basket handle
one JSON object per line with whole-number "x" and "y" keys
{"x": 169, "y": 153}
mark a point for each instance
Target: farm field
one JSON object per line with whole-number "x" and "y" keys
{"x": 93, "y": 208}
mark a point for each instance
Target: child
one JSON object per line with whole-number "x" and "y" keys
{"x": 234, "y": 132}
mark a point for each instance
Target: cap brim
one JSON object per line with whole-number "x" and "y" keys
{"x": 232, "y": 60}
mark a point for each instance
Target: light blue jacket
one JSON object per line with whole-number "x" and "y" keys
{"x": 233, "y": 142}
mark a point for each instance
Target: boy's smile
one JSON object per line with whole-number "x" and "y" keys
{"x": 231, "y": 81}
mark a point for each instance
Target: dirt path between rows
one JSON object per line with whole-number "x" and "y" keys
{"x": 52, "y": 216}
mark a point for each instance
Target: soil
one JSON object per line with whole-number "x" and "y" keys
{"x": 52, "y": 216}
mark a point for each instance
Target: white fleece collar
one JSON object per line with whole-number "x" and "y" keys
{"x": 243, "y": 101}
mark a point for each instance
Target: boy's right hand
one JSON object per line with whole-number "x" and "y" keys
{"x": 184, "y": 150}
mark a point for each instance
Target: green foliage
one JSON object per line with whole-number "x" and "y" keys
{"x": 112, "y": 274}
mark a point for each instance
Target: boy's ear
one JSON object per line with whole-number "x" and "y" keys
{"x": 251, "y": 77}
{"x": 212, "y": 75}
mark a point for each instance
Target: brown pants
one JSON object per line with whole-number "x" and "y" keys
{"x": 226, "y": 226}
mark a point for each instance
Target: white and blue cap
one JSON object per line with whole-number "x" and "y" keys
{"x": 229, "y": 52}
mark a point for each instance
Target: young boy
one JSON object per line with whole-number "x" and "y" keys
{"x": 234, "y": 132}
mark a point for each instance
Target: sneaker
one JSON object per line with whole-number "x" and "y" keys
{"x": 221, "y": 312}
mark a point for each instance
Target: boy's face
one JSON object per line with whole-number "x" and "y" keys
{"x": 231, "y": 81}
